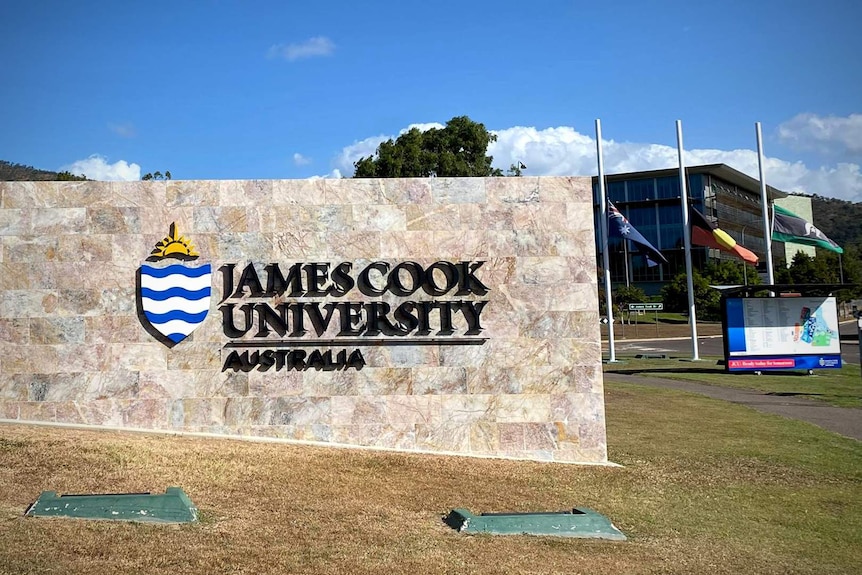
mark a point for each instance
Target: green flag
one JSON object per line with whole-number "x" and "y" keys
{"x": 788, "y": 227}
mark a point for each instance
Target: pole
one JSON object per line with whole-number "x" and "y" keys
{"x": 764, "y": 202}
{"x": 626, "y": 259}
{"x": 686, "y": 234}
{"x": 603, "y": 226}
{"x": 744, "y": 263}
{"x": 859, "y": 336}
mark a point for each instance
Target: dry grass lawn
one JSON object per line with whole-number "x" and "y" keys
{"x": 706, "y": 487}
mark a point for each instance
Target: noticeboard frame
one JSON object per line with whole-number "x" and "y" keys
{"x": 791, "y": 351}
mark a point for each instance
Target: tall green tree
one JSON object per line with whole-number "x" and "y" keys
{"x": 457, "y": 150}
{"x": 706, "y": 299}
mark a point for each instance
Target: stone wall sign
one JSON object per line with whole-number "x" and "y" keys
{"x": 439, "y": 315}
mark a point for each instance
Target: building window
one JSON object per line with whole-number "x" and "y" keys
{"x": 667, "y": 188}
{"x": 639, "y": 190}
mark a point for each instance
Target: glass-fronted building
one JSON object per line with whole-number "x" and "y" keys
{"x": 651, "y": 202}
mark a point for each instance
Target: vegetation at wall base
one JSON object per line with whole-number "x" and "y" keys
{"x": 706, "y": 487}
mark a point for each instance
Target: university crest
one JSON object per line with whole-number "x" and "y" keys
{"x": 174, "y": 290}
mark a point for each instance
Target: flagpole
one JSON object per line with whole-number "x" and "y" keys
{"x": 840, "y": 270}
{"x": 767, "y": 232}
{"x": 606, "y": 259}
{"x": 626, "y": 260}
{"x": 686, "y": 234}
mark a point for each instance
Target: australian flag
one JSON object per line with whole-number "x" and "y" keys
{"x": 619, "y": 226}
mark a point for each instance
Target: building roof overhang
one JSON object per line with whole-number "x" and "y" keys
{"x": 722, "y": 171}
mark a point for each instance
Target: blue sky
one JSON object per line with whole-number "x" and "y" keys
{"x": 269, "y": 89}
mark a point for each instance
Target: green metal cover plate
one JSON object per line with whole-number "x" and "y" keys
{"x": 173, "y": 506}
{"x": 579, "y": 522}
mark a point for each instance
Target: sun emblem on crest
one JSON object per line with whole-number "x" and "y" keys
{"x": 174, "y": 245}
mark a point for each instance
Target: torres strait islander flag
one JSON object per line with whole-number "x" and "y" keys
{"x": 174, "y": 291}
{"x": 705, "y": 233}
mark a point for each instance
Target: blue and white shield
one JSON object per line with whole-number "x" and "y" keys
{"x": 175, "y": 299}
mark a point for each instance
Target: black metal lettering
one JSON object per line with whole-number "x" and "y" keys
{"x": 316, "y": 275}
{"x": 445, "y": 309}
{"x": 296, "y": 360}
{"x": 277, "y": 284}
{"x": 228, "y": 325}
{"x": 318, "y": 320}
{"x": 406, "y": 318}
{"x": 266, "y": 360}
{"x": 364, "y": 282}
{"x": 315, "y": 360}
{"x": 472, "y": 311}
{"x": 469, "y": 283}
{"x": 233, "y": 361}
{"x": 378, "y": 320}
{"x": 417, "y": 279}
{"x": 423, "y": 311}
{"x": 342, "y": 282}
{"x": 298, "y": 325}
{"x": 227, "y": 280}
{"x": 249, "y": 280}
{"x": 351, "y": 316}
{"x": 268, "y": 317}
{"x": 450, "y": 275}
{"x": 356, "y": 361}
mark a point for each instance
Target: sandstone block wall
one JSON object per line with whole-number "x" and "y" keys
{"x": 75, "y": 349}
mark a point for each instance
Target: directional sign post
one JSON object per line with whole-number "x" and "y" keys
{"x": 650, "y": 306}
{"x": 647, "y": 306}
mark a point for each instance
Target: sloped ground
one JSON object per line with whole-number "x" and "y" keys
{"x": 705, "y": 487}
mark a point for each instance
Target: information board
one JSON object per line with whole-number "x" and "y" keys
{"x": 781, "y": 333}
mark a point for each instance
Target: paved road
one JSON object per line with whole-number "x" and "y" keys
{"x": 631, "y": 342}
{"x": 843, "y": 420}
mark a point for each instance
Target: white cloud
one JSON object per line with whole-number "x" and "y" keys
{"x": 301, "y": 160}
{"x": 367, "y": 147}
{"x": 563, "y": 151}
{"x": 125, "y": 130}
{"x": 96, "y": 167}
{"x": 352, "y": 153}
{"x": 827, "y": 134}
{"x": 311, "y": 48}
{"x": 333, "y": 175}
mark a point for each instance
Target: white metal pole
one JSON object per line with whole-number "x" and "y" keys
{"x": 626, "y": 260}
{"x": 686, "y": 234}
{"x": 764, "y": 203}
{"x": 603, "y": 227}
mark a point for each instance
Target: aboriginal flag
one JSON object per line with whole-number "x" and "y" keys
{"x": 704, "y": 233}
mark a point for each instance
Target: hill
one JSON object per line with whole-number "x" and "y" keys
{"x": 839, "y": 219}
{"x": 10, "y": 172}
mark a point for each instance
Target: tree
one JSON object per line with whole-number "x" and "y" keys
{"x": 624, "y": 295}
{"x": 457, "y": 150}
{"x": 731, "y": 272}
{"x": 515, "y": 169}
{"x": 706, "y": 299}
{"x": 818, "y": 270}
{"x": 157, "y": 176}
{"x": 11, "y": 172}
